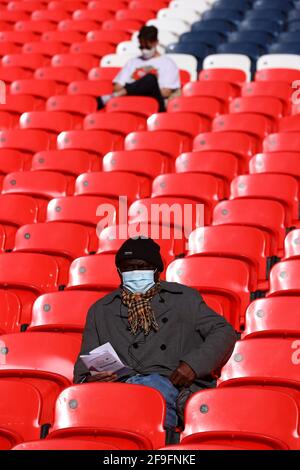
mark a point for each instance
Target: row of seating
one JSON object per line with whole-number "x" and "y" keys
{"x": 251, "y": 380}
{"x": 51, "y": 263}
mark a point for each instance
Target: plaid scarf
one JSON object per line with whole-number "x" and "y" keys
{"x": 140, "y": 313}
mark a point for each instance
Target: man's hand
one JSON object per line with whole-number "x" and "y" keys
{"x": 102, "y": 377}
{"x": 183, "y": 376}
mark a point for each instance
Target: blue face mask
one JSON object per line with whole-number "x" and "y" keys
{"x": 139, "y": 281}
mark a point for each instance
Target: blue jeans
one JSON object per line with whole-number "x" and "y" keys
{"x": 166, "y": 388}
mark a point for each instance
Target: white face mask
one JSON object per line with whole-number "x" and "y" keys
{"x": 148, "y": 53}
{"x": 138, "y": 281}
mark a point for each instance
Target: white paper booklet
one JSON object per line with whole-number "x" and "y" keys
{"x": 104, "y": 358}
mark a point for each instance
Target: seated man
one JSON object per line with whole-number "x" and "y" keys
{"x": 163, "y": 330}
{"x": 151, "y": 74}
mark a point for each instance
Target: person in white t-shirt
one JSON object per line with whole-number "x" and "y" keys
{"x": 150, "y": 74}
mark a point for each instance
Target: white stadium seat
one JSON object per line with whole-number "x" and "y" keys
{"x": 278, "y": 61}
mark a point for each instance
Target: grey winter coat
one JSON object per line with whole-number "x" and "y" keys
{"x": 188, "y": 331}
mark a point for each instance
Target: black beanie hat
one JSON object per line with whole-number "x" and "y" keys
{"x": 141, "y": 248}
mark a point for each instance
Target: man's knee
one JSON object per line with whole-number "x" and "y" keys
{"x": 150, "y": 79}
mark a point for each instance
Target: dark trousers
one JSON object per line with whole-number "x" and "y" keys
{"x": 147, "y": 86}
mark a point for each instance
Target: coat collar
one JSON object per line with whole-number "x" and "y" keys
{"x": 171, "y": 287}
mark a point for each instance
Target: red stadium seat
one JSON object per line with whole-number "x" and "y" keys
{"x": 292, "y": 245}
{"x": 277, "y": 75}
{"x": 112, "y": 5}
{"x": 8, "y": 48}
{"x": 129, "y": 429}
{"x": 143, "y": 163}
{"x": 155, "y": 5}
{"x": 268, "y": 363}
{"x": 12, "y": 160}
{"x": 276, "y": 162}
{"x": 116, "y": 123}
{"x": 47, "y": 49}
{"x": 245, "y": 243}
{"x": 29, "y": 141}
{"x": 181, "y": 447}
{"x": 140, "y": 14}
{"x": 49, "y": 312}
{"x": 16, "y": 210}
{"x": 77, "y": 105}
{"x": 280, "y": 188}
{"x": 10, "y": 74}
{"x": 204, "y": 189}
{"x": 62, "y": 75}
{"x": 20, "y": 413}
{"x": 129, "y": 26}
{"x": 65, "y": 444}
{"x": 2, "y": 239}
{"x": 70, "y": 5}
{"x": 52, "y": 123}
{"x": 97, "y": 272}
{"x": 112, "y": 185}
{"x": 88, "y": 14}
{"x": 273, "y": 317}
{"x": 41, "y": 90}
{"x": 25, "y": 61}
{"x": 84, "y": 210}
{"x": 103, "y": 73}
{"x": 233, "y": 76}
{"x": 282, "y": 142}
{"x": 41, "y": 276}
{"x": 13, "y": 16}
{"x": 83, "y": 62}
{"x": 90, "y": 88}
{"x": 265, "y": 105}
{"x": 187, "y": 124}
{"x": 11, "y": 309}
{"x": 63, "y": 241}
{"x": 253, "y": 418}
{"x": 94, "y": 142}
{"x": 221, "y": 90}
{"x": 290, "y": 123}
{"x": 111, "y": 37}
{"x": 205, "y": 107}
{"x": 239, "y": 143}
{"x": 268, "y": 216}
{"x": 142, "y": 106}
{"x": 17, "y": 104}
{"x": 50, "y": 15}
{"x": 7, "y": 121}
{"x": 284, "y": 278}
{"x": 167, "y": 143}
{"x": 42, "y": 185}
{"x": 250, "y": 123}
{"x": 210, "y": 276}
{"x": 35, "y": 26}
{"x": 96, "y": 49}
{"x": 221, "y": 165}
{"x": 45, "y": 360}
{"x": 69, "y": 162}
{"x": 81, "y": 26}
{"x": 66, "y": 37}
{"x": 18, "y": 37}
{"x": 30, "y": 5}
{"x": 280, "y": 90}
